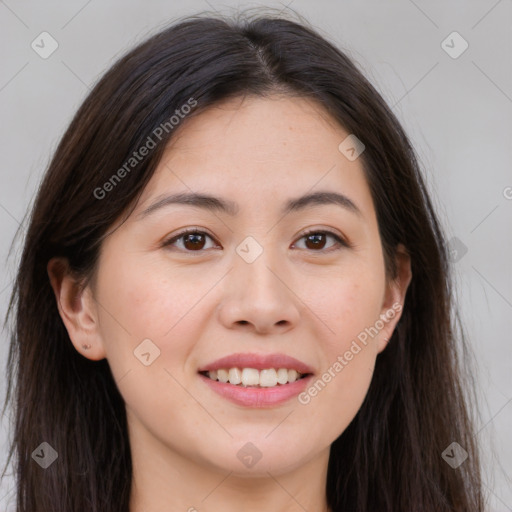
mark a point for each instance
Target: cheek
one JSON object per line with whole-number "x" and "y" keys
{"x": 351, "y": 305}
{"x": 142, "y": 310}
{"x": 149, "y": 329}
{"x": 147, "y": 300}
{"x": 351, "y": 308}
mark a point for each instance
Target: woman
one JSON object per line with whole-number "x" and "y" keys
{"x": 235, "y": 293}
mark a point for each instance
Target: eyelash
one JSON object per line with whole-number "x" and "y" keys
{"x": 341, "y": 243}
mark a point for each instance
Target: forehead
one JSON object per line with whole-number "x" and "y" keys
{"x": 260, "y": 128}
{"x": 257, "y": 151}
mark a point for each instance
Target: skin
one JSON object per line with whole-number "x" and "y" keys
{"x": 307, "y": 301}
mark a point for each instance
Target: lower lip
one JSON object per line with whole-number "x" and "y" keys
{"x": 258, "y": 397}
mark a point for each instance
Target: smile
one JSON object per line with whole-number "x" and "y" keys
{"x": 256, "y": 395}
{"x": 246, "y": 377}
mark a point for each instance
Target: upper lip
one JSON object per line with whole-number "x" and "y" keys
{"x": 257, "y": 361}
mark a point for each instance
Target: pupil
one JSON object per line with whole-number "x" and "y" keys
{"x": 316, "y": 242}
{"x": 193, "y": 239}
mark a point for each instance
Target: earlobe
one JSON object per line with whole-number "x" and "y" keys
{"x": 77, "y": 309}
{"x": 394, "y": 301}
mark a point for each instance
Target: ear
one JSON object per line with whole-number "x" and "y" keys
{"x": 77, "y": 309}
{"x": 394, "y": 297}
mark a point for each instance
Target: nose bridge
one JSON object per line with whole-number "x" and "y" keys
{"x": 258, "y": 267}
{"x": 257, "y": 292}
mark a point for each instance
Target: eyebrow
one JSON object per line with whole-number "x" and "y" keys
{"x": 212, "y": 203}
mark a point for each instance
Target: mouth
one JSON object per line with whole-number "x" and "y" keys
{"x": 255, "y": 395}
{"x": 253, "y": 378}
{"x": 256, "y": 380}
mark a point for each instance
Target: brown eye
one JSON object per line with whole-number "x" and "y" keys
{"x": 317, "y": 240}
{"x": 191, "y": 241}
{"x": 194, "y": 241}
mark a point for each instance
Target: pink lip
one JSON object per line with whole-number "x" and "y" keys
{"x": 259, "y": 362}
{"x": 255, "y": 396}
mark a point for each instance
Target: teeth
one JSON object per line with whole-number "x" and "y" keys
{"x": 251, "y": 377}
{"x": 293, "y": 375}
{"x": 222, "y": 375}
{"x": 282, "y": 376}
{"x": 268, "y": 378}
{"x": 235, "y": 376}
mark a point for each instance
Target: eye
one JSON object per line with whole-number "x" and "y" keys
{"x": 192, "y": 240}
{"x": 315, "y": 240}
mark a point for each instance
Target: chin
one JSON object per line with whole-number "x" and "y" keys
{"x": 257, "y": 459}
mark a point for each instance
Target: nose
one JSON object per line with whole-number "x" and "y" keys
{"x": 259, "y": 298}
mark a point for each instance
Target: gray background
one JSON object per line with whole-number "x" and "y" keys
{"x": 457, "y": 111}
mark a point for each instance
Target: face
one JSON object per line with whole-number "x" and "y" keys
{"x": 253, "y": 278}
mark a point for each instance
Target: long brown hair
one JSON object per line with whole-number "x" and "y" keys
{"x": 389, "y": 457}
